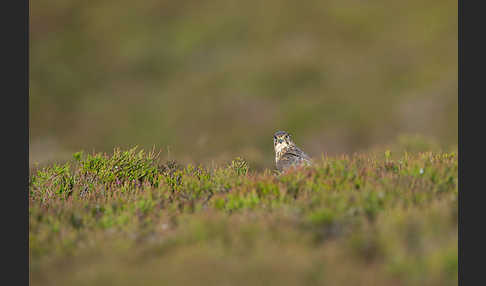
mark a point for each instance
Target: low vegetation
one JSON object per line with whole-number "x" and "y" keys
{"x": 128, "y": 218}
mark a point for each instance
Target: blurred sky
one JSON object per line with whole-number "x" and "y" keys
{"x": 212, "y": 80}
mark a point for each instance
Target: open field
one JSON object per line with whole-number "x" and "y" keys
{"x": 130, "y": 218}
{"x": 208, "y": 82}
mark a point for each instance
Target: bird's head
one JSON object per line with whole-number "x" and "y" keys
{"x": 281, "y": 140}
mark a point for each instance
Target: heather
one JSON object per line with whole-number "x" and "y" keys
{"x": 368, "y": 89}
{"x": 126, "y": 217}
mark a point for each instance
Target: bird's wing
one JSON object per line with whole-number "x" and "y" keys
{"x": 299, "y": 153}
{"x": 287, "y": 160}
{"x": 305, "y": 156}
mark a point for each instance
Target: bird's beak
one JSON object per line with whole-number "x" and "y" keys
{"x": 280, "y": 141}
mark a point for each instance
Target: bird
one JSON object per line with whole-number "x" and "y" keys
{"x": 287, "y": 154}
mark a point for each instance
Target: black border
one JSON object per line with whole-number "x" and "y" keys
{"x": 14, "y": 20}
{"x": 471, "y": 184}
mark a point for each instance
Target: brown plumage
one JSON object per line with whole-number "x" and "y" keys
{"x": 287, "y": 154}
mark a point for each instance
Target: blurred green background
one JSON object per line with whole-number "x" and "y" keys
{"x": 206, "y": 81}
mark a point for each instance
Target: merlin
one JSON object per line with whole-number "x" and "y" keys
{"x": 287, "y": 154}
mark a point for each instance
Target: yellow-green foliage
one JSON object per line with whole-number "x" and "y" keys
{"x": 127, "y": 218}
